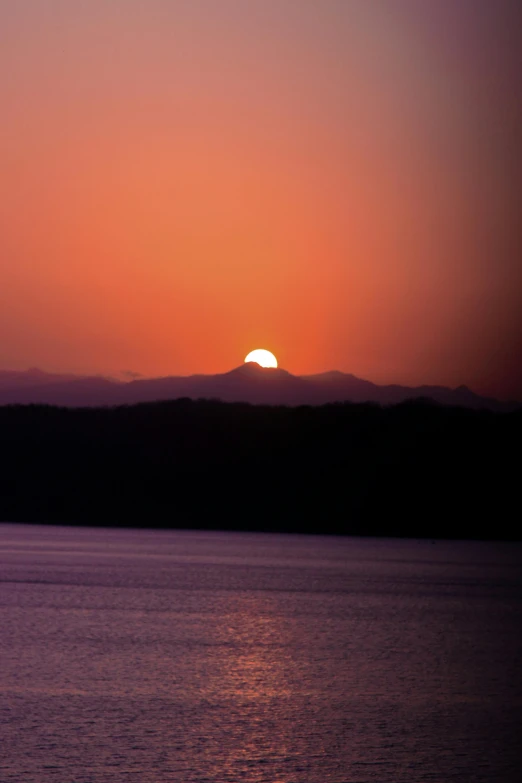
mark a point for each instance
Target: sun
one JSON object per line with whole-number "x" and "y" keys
{"x": 262, "y": 357}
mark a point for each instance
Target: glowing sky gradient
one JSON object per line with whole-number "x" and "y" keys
{"x": 183, "y": 180}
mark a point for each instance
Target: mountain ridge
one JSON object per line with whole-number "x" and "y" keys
{"x": 247, "y": 383}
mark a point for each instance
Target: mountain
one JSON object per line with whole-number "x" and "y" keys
{"x": 16, "y": 379}
{"x": 36, "y": 386}
{"x": 247, "y": 383}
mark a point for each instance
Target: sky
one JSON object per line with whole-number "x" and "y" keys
{"x": 185, "y": 180}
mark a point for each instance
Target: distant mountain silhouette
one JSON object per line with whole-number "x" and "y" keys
{"x": 246, "y": 383}
{"x": 36, "y": 386}
{"x": 15, "y": 379}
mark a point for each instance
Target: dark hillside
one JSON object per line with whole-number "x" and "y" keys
{"x": 415, "y": 469}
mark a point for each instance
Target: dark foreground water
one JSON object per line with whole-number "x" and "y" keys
{"x": 181, "y": 656}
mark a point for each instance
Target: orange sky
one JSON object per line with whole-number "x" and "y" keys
{"x": 183, "y": 181}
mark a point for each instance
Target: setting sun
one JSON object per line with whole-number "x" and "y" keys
{"x": 262, "y": 357}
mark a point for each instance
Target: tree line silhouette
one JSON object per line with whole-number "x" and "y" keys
{"x": 413, "y": 469}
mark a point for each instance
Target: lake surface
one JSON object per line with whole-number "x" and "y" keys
{"x": 224, "y": 657}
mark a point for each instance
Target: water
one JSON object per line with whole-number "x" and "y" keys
{"x": 191, "y": 656}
